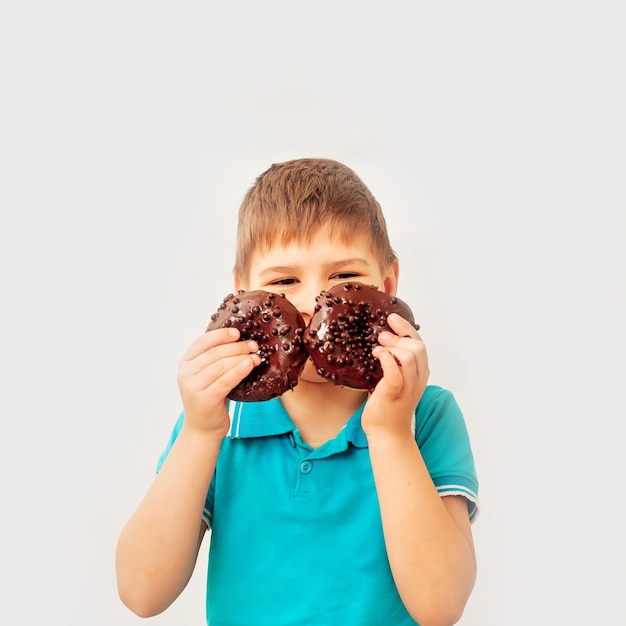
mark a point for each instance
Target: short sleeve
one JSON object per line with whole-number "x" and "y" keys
{"x": 207, "y": 513}
{"x": 173, "y": 436}
{"x": 443, "y": 439}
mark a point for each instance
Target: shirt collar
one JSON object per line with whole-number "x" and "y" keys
{"x": 264, "y": 419}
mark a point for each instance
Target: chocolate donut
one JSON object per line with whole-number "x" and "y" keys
{"x": 344, "y": 328}
{"x": 277, "y": 326}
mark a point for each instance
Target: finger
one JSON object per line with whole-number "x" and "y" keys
{"x": 410, "y": 355}
{"x": 228, "y": 373}
{"x": 393, "y": 376}
{"x": 390, "y": 340}
{"x": 209, "y": 340}
{"x": 401, "y": 326}
{"x": 403, "y": 369}
{"x": 403, "y": 356}
{"x": 219, "y": 353}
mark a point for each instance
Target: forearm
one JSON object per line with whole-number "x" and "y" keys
{"x": 431, "y": 558}
{"x": 158, "y": 547}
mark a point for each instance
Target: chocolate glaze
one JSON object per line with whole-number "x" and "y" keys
{"x": 344, "y": 328}
{"x": 277, "y": 326}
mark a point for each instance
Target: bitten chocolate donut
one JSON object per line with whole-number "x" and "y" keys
{"x": 277, "y": 326}
{"x": 344, "y": 328}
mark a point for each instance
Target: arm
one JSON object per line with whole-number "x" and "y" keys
{"x": 428, "y": 538}
{"x": 158, "y": 547}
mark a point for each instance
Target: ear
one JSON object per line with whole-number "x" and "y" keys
{"x": 391, "y": 277}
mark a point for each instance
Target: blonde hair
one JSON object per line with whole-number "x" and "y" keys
{"x": 290, "y": 202}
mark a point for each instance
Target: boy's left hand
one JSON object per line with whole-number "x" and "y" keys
{"x": 404, "y": 360}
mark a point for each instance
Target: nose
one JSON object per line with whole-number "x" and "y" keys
{"x": 305, "y": 300}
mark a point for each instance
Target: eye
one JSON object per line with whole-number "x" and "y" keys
{"x": 345, "y": 275}
{"x": 284, "y": 281}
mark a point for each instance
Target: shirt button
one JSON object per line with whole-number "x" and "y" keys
{"x": 306, "y": 467}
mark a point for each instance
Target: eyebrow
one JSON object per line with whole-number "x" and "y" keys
{"x": 288, "y": 269}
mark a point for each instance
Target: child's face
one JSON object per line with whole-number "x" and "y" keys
{"x": 301, "y": 271}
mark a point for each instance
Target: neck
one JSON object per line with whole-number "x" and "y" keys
{"x": 320, "y": 409}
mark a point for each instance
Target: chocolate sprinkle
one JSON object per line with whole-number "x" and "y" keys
{"x": 278, "y": 328}
{"x": 344, "y": 330}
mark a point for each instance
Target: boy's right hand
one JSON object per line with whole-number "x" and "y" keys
{"x": 214, "y": 364}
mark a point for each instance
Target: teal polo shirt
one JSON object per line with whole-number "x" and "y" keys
{"x": 296, "y": 533}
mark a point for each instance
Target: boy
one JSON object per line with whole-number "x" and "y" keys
{"x": 327, "y": 505}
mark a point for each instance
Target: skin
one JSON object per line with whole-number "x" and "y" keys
{"x": 428, "y": 538}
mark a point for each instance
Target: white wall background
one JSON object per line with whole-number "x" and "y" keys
{"x": 494, "y": 137}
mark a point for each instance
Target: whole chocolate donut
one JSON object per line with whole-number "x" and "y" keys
{"x": 277, "y": 326}
{"x": 344, "y": 328}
